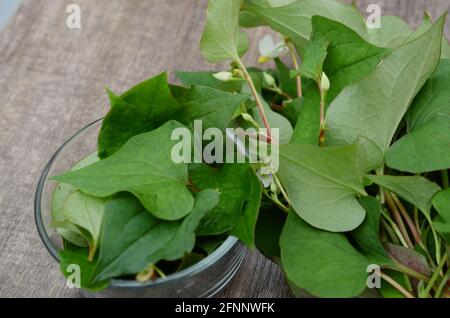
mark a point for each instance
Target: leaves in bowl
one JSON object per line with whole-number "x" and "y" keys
{"x": 144, "y": 167}
{"x": 143, "y": 108}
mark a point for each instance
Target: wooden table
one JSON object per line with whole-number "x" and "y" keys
{"x": 52, "y": 83}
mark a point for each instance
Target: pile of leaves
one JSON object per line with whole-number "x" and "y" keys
{"x": 362, "y": 190}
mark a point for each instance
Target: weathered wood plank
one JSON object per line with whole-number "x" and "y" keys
{"x": 52, "y": 83}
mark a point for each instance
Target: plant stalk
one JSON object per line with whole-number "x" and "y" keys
{"x": 395, "y": 229}
{"x": 406, "y": 270}
{"x": 435, "y": 276}
{"x": 322, "y": 116}
{"x": 397, "y": 218}
{"x": 296, "y": 65}
{"x": 258, "y": 101}
{"x": 397, "y": 286}
{"x": 442, "y": 284}
{"x": 407, "y": 218}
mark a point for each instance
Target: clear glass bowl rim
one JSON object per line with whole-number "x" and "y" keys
{"x": 208, "y": 261}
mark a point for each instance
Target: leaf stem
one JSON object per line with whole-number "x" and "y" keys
{"x": 395, "y": 228}
{"x": 416, "y": 218}
{"x": 407, "y": 218}
{"x": 276, "y": 202}
{"x": 159, "y": 272}
{"x": 390, "y": 232}
{"x": 437, "y": 242}
{"x": 258, "y": 101}
{"x": 296, "y": 65}
{"x": 435, "y": 276}
{"x": 397, "y": 286}
{"x": 91, "y": 254}
{"x": 323, "y": 95}
{"x": 397, "y": 218}
{"x": 280, "y": 186}
{"x": 279, "y": 92}
{"x": 405, "y": 270}
{"x": 442, "y": 284}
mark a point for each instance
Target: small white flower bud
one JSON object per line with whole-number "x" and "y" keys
{"x": 324, "y": 82}
{"x": 269, "y": 79}
{"x": 223, "y": 76}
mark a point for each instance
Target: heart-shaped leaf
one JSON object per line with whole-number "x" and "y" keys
{"x": 366, "y": 108}
{"x": 318, "y": 260}
{"x": 322, "y": 184}
{"x": 144, "y": 167}
{"x": 426, "y": 146}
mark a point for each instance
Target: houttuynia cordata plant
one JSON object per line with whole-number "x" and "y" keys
{"x": 354, "y": 197}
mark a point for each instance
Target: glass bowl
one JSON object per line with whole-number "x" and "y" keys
{"x": 204, "y": 279}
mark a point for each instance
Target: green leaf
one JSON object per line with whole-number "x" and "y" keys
{"x": 313, "y": 59}
{"x": 322, "y": 184}
{"x": 350, "y": 58}
{"x": 367, "y": 235}
{"x": 365, "y": 108}
{"x": 86, "y": 212}
{"x": 67, "y": 230}
{"x": 70, "y": 258}
{"x": 213, "y": 107}
{"x": 143, "y": 108}
{"x": 294, "y": 19}
{"x": 307, "y": 129}
{"x": 393, "y": 33}
{"x": 441, "y": 202}
{"x": 425, "y": 147}
{"x": 416, "y": 190}
{"x": 245, "y": 226}
{"x": 233, "y": 182}
{"x": 143, "y": 167}
{"x": 323, "y": 263}
{"x": 425, "y": 26}
{"x": 207, "y": 79}
{"x": 222, "y": 39}
{"x": 132, "y": 239}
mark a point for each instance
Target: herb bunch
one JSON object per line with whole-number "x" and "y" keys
{"x": 362, "y": 189}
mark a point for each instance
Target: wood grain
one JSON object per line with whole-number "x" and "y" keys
{"x": 52, "y": 83}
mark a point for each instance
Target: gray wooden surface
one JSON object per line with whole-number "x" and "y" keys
{"x": 52, "y": 83}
